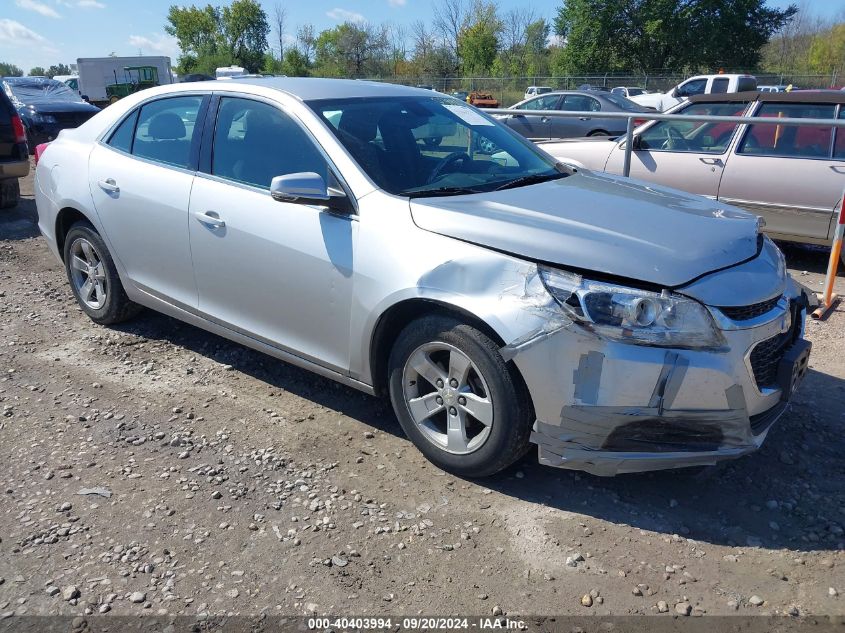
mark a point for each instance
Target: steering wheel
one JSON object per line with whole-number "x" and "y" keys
{"x": 452, "y": 158}
{"x": 674, "y": 139}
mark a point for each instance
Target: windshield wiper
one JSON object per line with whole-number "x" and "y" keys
{"x": 533, "y": 179}
{"x": 442, "y": 191}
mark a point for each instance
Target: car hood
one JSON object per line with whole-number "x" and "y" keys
{"x": 601, "y": 223}
{"x": 47, "y": 106}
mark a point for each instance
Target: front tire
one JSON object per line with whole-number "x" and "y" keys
{"x": 457, "y": 399}
{"x": 93, "y": 277}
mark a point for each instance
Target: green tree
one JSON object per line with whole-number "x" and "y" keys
{"x": 210, "y": 36}
{"x": 10, "y": 70}
{"x": 643, "y": 35}
{"x": 478, "y": 41}
{"x": 295, "y": 63}
{"x": 197, "y": 32}
{"x": 827, "y": 51}
{"x": 37, "y": 71}
{"x": 351, "y": 50}
{"x": 58, "y": 69}
{"x": 245, "y": 28}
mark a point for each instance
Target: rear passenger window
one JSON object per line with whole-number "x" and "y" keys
{"x": 790, "y": 141}
{"x": 165, "y": 130}
{"x": 254, "y": 142}
{"x": 540, "y": 103}
{"x": 121, "y": 138}
{"x": 580, "y": 103}
{"x": 720, "y": 85}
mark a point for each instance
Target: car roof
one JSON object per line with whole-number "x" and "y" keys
{"x": 798, "y": 96}
{"x": 314, "y": 88}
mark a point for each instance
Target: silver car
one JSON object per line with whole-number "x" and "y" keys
{"x": 793, "y": 177}
{"x": 539, "y": 127}
{"x": 499, "y": 300}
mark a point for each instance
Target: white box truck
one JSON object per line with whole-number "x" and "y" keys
{"x": 103, "y": 80}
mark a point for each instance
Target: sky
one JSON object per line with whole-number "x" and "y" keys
{"x": 46, "y": 32}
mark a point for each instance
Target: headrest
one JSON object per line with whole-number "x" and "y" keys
{"x": 360, "y": 124}
{"x": 167, "y": 126}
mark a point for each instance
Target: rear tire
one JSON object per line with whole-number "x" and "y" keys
{"x": 599, "y": 133}
{"x": 10, "y": 193}
{"x": 475, "y": 426}
{"x": 93, "y": 277}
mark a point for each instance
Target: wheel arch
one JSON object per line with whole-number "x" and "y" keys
{"x": 66, "y": 218}
{"x": 393, "y": 320}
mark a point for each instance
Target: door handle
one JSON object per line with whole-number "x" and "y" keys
{"x": 584, "y": 118}
{"x": 710, "y": 161}
{"x": 109, "y": 185}
{"x": 209, "y": 218}
{"x": 545, "y": 119}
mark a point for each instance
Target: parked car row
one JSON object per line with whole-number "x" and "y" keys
{"x": 539, "y": 127}
{"x": 793, "y": 177}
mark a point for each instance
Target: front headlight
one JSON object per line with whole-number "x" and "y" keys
{"x": 633, "y": 316}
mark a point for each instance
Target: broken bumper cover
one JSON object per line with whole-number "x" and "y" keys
{"x": 611, "y": 408}
{"x": 643, "y": 440}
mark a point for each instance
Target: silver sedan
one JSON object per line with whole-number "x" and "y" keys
{"x": 540, "y": 127}
{"x": 498, "y": 298}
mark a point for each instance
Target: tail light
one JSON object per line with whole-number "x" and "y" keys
{"x": 639, "y": 122}
{"x": 39, "y": 150}
{"x": 18, "y": 129}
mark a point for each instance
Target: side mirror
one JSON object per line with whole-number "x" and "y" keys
{"x": 308, "y": 187}
{"x": 676, "y": 92}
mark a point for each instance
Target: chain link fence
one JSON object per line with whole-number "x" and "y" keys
{"x": 509, "y": 90}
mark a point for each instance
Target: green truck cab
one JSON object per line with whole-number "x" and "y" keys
{"x": 135, "y": 78}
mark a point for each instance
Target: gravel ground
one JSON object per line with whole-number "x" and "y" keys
{"x": 154, "y": 468}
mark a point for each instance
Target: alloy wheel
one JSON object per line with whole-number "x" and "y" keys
{"x": 447, "y": 398}
{"x": 88, "y": 273}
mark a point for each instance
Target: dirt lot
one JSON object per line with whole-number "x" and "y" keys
{"x": 238, "y": 484}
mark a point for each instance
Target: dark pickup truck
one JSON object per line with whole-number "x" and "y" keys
{"x": 14, "y": 153}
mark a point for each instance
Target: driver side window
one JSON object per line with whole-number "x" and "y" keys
{"x": 694, "y": 87}
{"x": 693, "y": 136}
{"x": 254, "y": 142}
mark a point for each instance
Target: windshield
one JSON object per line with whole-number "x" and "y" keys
{"x": 427, "y": 146}
{"x": 623, "y": 103}
{"x": 633, "y": 92}
{"x": 25, "y": 90}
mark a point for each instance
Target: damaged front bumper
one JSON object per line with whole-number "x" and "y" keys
{"x": 607, "y": 407}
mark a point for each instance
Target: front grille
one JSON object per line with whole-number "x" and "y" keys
{"x": 744, "y": 313}
{"x": 766, "y": 356}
